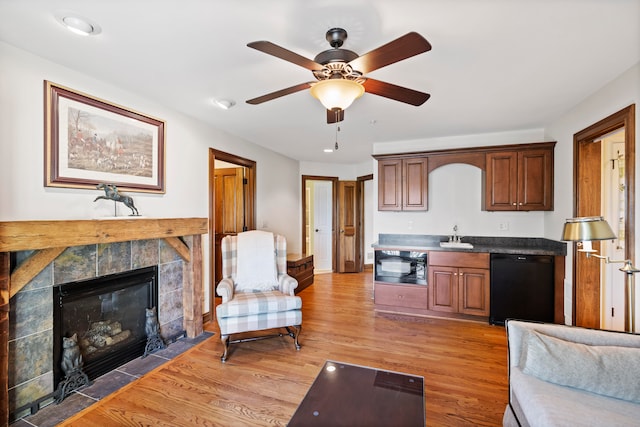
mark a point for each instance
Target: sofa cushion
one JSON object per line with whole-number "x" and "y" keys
{"x": 604, "y": 370}
{"x": 541, "y": 403}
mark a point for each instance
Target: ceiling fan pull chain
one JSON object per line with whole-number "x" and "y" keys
{"x": 337, "y": 129}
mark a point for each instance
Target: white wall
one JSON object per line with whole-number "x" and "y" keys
{"x": 455, "y": 193}
{"x": 618, "y": 94}
{"x": 344, "y": 172}
{"x": 23, "y": 195}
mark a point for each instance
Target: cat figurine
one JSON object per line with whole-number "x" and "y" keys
{"x": 71, "y": 356}
{"x": 151, "y": 327}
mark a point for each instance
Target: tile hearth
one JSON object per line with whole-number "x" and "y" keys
{"x": 107, "y": 384}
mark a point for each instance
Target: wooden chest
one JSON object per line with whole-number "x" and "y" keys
{"x": 300, "y": 267}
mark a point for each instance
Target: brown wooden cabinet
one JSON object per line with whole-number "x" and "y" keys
{"x": 300, "y": 267}
{"x": 400, "y": 296}
{"x": 402, "y": 184}
{"x": 517, "y": 177}
{"x": 459, "y": 283}
{"x": 519, "y": 180}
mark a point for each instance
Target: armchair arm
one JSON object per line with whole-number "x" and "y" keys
{"x": 225, "y": 289}
{"x": 287, "y": 284}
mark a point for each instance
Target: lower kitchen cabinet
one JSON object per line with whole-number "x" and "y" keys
{"x": 458, "y": 286}
{"x": 459, "y": 290}
{"x": 397, "y": 297}
{"x": 459, "y": 283}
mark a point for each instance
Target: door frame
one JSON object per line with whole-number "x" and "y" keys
{"x": 360, "y": 218}
{"x": 624, "y": 118}
{"x": 250, "y": 213}
{"x": 334, "y": 212}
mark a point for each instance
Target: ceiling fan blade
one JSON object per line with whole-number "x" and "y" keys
{"x": 409, "y": 45}
{"x": 332, "y": 117}
{"x": 279, "y": 93}
{"x": 397, "y": 93}
{"x": 287, "y": 55}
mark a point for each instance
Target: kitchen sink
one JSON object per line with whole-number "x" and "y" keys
{"x": 459, "y": 245}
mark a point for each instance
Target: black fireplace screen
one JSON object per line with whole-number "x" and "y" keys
{"x": 107, "y": 315}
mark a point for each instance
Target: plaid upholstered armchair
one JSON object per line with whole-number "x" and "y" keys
{"x": 257, "y": 294}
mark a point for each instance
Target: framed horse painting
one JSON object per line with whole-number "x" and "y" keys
{"x": 89, "y": 141}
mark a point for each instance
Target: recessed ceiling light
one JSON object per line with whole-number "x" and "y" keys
{"x": 225, "y": 104}
{"x": 78, "y": 24}
{"x": 328, "y": 150}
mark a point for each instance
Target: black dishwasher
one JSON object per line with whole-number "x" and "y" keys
{"x": 522, "y": 287}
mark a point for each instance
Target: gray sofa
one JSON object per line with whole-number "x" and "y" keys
{"x": 568, "y": 376}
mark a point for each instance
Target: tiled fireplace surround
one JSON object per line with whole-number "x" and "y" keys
{"x": 31, "y": 332}
{"x": 30, "y": 340}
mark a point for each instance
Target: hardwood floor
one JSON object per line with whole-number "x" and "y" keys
{"x": 464, "y": 365}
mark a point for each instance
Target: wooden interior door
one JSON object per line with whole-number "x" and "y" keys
{"x": 229, "y": 209}
{"x": 348, "y": 252}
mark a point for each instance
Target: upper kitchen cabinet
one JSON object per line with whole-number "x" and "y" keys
{"x": 402, "y": 184}
{"x": 516, "y": 177}
{"x": 520, "y": 180}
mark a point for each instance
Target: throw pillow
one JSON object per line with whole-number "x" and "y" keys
{"x": 606, "y": 370}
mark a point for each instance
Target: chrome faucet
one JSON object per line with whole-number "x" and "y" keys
{"x": 455, "y": 237}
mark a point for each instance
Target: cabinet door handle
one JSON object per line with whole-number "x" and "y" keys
{"x": 520, "y": 203}
{"x": 514, "y": 203}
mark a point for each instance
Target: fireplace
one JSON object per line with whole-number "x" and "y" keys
{"x": 107, "y": 315}
{"x": 49, "y": 253}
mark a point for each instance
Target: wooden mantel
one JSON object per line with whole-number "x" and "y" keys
{"x": 28, "y": 235}
{"x": 50, "y": 238}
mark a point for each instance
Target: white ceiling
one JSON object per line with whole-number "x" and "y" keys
{"x": 496, "y": 65}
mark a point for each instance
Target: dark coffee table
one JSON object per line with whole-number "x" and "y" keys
{"x": 351, "y": 395}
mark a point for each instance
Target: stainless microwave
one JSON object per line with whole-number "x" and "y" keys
{"x": 398, "y": 266}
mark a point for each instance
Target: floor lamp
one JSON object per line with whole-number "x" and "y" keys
{"x": 587, "y": 229}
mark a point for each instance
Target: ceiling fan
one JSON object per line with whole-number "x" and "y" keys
{"x": 341, "y": 71}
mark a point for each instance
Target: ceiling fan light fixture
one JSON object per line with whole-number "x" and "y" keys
{"x": 337, "y": 93}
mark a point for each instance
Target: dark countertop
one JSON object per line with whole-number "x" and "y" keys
{"x": 496, "y": 245}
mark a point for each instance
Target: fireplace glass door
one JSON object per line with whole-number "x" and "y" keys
{"x": 107, "y": 315}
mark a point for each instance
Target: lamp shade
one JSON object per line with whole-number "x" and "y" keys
{"x": 337, "y": 93}
{"x": 586, "y": 229}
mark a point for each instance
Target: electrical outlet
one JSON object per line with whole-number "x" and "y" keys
{"x": 503, "y": 226}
